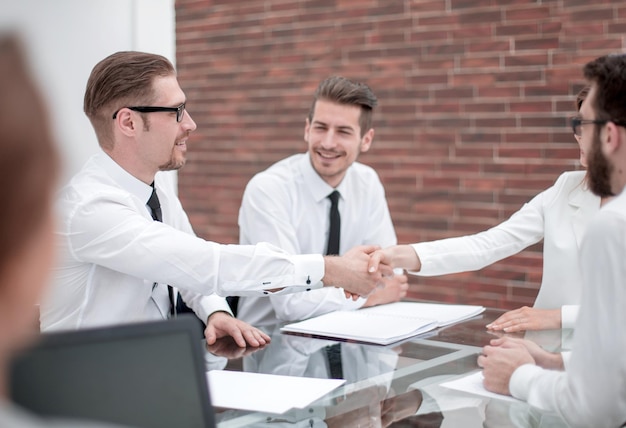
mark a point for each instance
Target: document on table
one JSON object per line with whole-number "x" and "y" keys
{"x": 266, "y": 392}
{"x": 384, "y": 324}
{"x": 473, "y": 384}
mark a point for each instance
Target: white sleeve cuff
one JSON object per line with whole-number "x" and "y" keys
{"x": 210, "y": 304}
{"x": 569, "y": 313}
{"x": 308, "y": 272}
{"x": 566, "y": 359}
{"x": 421, "y": 249}
{"x": 522, "y": 379}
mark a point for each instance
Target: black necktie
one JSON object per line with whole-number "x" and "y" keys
{"x": 333, "y": 352}
{"x": 155, "y": 212}
{"x": 335, "y": 225}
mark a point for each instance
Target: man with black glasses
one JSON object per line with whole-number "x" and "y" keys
{"x": 125, "y": 243}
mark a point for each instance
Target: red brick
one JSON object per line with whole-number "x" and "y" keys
{"x": 527, "y": 14}
{"x": 474, "y": 97}
{"x": 516, "y": 29}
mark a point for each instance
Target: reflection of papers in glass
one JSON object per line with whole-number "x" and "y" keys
{"x": 265, "y": 392}
{"x": 384, "y": 324}
{"x": 474, "y": 385}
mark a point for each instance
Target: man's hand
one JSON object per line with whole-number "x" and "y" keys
{"x": 350, "y": 271}
{"x": 543, "y": 358}
{"x": 221, "y": 324}
{"x": 526, "y": 318}
{"x": 499, "y": 363}
{"x": 394, "y": 290}
{"x": 399, "y": 407}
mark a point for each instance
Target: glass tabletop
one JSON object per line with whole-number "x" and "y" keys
{"x": 398, "y": 385}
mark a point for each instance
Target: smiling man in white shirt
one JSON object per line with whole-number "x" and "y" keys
{"x": 591, "y": 392}
{"x": 116, "y": 264}
{"x": 288, "y": 204}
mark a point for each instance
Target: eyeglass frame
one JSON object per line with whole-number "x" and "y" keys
{"x": 577, "y": 122}
{"x": 179, "y": 110}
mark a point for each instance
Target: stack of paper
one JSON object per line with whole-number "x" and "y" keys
{"x": 266, "y": 392}
{"x": 384, "y": 324}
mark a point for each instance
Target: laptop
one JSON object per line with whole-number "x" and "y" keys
{"x": 141, "y": 375}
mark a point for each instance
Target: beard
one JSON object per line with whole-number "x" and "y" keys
{"x": 599, "y": 170}
{"x": 173, "y": 164}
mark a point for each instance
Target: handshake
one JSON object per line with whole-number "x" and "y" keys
{"x": 362, "y": 269}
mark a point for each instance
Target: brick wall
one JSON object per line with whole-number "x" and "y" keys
{"x": 474, "y": 96}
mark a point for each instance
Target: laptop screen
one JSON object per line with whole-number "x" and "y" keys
{"x": 141, "y": 375}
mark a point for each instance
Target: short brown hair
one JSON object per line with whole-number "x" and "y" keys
{"x": 28, "y": 157}
{"x": 120, "y": 80}
{"x": 340, "y": 90}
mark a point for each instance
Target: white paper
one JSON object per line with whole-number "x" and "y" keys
{"x": 474, "y": 384}
{"x": 362, "y": 326}
{"x": 384, "y": 324}
{"x": 266, "y": 392}
{"x": 444, "y": 314}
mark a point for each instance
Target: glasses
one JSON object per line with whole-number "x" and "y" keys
{"x": 577, "y": 122}
{"x": 180, "y": 110}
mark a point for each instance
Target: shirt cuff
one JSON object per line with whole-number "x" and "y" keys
{"x": 566, "y": 355}
{"x": 421, "y": 249}
{"x": 521, "y": 380}
{"x": 210, "y": 304}
{"x": 308, "y": 272}
{"x": 569, "y": 313}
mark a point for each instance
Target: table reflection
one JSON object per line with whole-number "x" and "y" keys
{"x": 387, "y": 386}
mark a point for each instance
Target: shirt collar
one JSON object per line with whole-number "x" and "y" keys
{"x": 123, "y": 178}
{"x": 318, "y": 187}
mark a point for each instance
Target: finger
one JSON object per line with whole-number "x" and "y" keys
{"x": 374, "y": 262}
{"x": 209, "y": 334}
{"x": 505, "y": 318}
{"x": 497, "y": 342}
{"x": 250, "y": 339}
{"x": 481, "y": 360}
{"x": 260, "y": 337}
{"x": 369, "y": 249}
{"x": 488, "y": 350}
{"x": 265, "y": 337}
{"x": 518, "y": 324}
{"x": 497, "y": 324}
{"x": 385, "y": 270}
{"x": 350, "y": 295}
{"x": 237, "y": 336}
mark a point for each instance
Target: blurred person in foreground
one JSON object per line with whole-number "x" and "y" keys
{"x": 29, "y": 167}
{"x": 126, "y": 244}
{"x": 591, "y": 392}
{"x": 558, "y": 215}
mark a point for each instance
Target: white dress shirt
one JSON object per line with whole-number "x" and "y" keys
{"x": 287, "y": 205}
{"x": 111, "y": 253}
{"x": 592, "y": 390}
{"x": 558, "y": 215}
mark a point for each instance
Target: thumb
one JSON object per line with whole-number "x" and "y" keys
{"x": 374, "y": 262}
{"x": 210, "y": 335}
